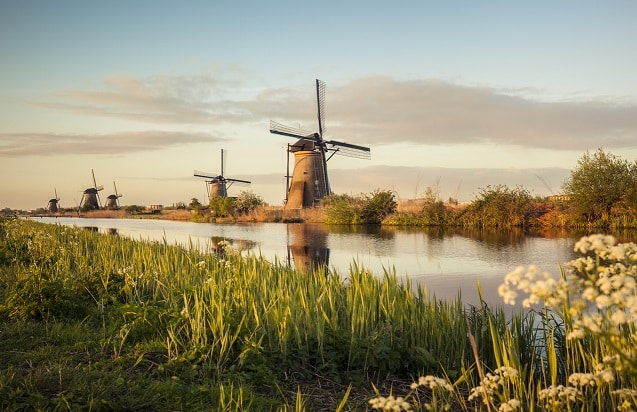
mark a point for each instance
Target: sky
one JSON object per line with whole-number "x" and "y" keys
{"x": 453, "y": 96}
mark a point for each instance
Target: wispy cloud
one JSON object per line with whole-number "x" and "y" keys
{"x": 382, "y": 110}
{"x": 23, "y": 144}
{"x": 370, "y": 111}
{"x": 156, "y": 99}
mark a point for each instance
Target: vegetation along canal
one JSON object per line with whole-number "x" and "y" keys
{"x": 444, "y": 262}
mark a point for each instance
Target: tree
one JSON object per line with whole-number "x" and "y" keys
{"x": 599, "y": 182}
{"x": 195, "y": 204}
{"x": 247, "y": 201}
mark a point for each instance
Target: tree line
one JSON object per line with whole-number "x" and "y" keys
{"x": 600, "y": 192}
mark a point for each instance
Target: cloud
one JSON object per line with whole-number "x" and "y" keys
{"x": 382, "y": 110}
{"x": 24, "y": 144}
{"x": 368, "y": 111}
{"x": 155, "y": 99}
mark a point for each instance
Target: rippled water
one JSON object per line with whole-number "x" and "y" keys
{"x": 444, "y": 262}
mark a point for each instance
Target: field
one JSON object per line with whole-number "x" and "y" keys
{"x": 96, "y": 322}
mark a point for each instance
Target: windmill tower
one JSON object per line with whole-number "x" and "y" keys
{"x": 91, "y": 195}
{"x": 310, "y": 181}
{"x": 111, "y": 200}
{"x": 217, "y": 186}
{"x": 53, "y": 205}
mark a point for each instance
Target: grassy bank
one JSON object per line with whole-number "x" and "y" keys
{"x": 90, "y": 321}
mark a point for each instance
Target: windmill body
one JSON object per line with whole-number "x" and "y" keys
{"x": 310, "y": 182}
{"x": 111, "y": 200}
{"x": 217, "y": 185}
{"x": 54, "y": 204}
{"x": 90, "y": 197}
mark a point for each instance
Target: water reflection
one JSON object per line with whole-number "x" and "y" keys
{"x": 220, "y": 244}
{"x": 308, "y": 246}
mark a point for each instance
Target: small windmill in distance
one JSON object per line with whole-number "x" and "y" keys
{"x": 217, "y": 186}
{"x": 91, "y": 195}
{"x": 310, "y": 181}
{"x": 111, "y": 200}
{"x": 54, "y": 204}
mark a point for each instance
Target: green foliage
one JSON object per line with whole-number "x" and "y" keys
{"x": 498, "y": 206}
{"x": 341, "y": 209}
{"x": 366, "y": 209}
{"x": 222, "y": 206}
{"x": 376, "y": 206}
{"x": 195, "y": 204}
{"x": 600, "y": 182}
{"x": 133, "y": 209}
{"x": 247, "y": 201}
{"x": 35, "y": 296}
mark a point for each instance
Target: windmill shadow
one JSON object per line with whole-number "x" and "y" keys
{"x": 311, "y": 151}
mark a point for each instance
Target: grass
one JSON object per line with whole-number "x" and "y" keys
{"x": 91, "y": 321}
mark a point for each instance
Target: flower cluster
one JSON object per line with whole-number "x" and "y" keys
{"x": 539, "y": 286}
{"x": 556, "y": 398}
{"x": 495, "y": 385}
{"x": 433, "y": 383}
{"x": 390, "y": 403}
{"x": 605, "y": 279}
{"x": 441, "y": 391}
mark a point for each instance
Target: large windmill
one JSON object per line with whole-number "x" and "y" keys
{"x": 310, "y": 182}
{"x": 91, "y": 195}
{"x": 111, "y": 200}
{"x": 54, "y": 204}
{"x": 217, "y": 186}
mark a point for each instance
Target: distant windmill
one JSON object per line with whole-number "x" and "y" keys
{"x": 217, "y": 186}
{"x": 53, "y": 205}
{"x": 310, "y": 182}
{"x": 111, "y": 200}
{"x": 91, "y": 195}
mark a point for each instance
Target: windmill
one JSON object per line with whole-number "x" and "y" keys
{"x": 91, "y": 195}
{"x": 111, "y": 200}
{"x": 310, "y": 181}
{"x": 53, "y": 205}
{"x": 217, "y": 186}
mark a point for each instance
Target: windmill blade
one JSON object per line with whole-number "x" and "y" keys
{"x": 349, "y": 150}
{"x": 320, "y": 104}
{"x": 278, "y": 128}
{"x": 223, "y": 157}
{"x": 100, "y": 187}
{"x": 205, "y": 175}
{"x": 238, "y": 181}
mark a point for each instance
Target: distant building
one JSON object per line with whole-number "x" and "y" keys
{"x": 559, "y": 198}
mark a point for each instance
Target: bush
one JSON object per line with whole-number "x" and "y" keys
{"x": 365, "y": 209}
{"x": 498, "y": 206}
{"x": 247, "y": 201}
